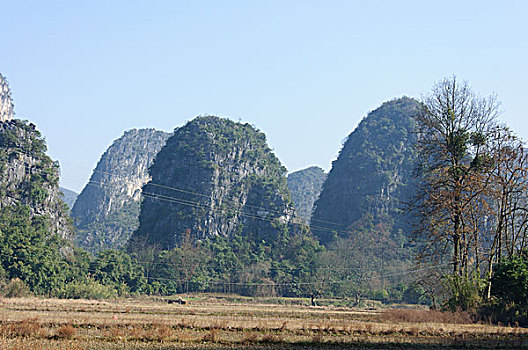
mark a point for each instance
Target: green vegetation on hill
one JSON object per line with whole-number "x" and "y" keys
{"x": 217, "y": 214}
{"x": 372, "y": 175}
{"x": 28, "y": 177}
{"x": 214, "y": 177}
{"x": 360, "y": 214}
{"x": 34, "y": 225}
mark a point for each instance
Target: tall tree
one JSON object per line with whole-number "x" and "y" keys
{"x": 508, "y": 214}
{"x": 455, "y": 129}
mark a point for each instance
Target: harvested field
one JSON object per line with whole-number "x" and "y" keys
{"x": 208, "y": 322}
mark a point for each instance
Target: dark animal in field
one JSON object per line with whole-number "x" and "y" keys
{"x": 178, "y": 301}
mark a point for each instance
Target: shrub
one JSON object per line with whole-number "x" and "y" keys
{"x": 212, "y": 336}
{"x": 380, "y": 295}
{"x": 510, "y": 292}
{"x": 87, "y": 290}
{"x": 464, "y": 293}
{"x": 65, "y": 332}
{"x": 16, "y": 288}
{"x": 510, "y": 280}
{"x": 414, "y": 294}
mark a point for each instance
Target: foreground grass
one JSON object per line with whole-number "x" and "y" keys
{"x": 210, "y": 323}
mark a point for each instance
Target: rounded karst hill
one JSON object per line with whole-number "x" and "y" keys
{"x": 214, "y": 177}
{"x": 372, "y": 176}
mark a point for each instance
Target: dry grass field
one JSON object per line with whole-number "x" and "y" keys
{"x": 214, "y": 322}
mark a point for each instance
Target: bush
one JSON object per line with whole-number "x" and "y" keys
{"x": 3, "y": 280}
{"x": 89, "y": 289}
{"x": 510, "y": 280}
{"x": 380, "y": 295}
{"x": 65, "y": 332}
{"x": 464, "y": 293}
{"x": 414, "y": 294}
{"x": 16, "y": 288}
{"x": 509, "y": 291}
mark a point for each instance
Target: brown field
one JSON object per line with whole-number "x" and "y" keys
{"x": 216, "y": 322}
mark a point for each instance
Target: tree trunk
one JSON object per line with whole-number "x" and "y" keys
{"x": 456, "y": 246}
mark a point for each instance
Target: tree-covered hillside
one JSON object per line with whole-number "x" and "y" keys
{"x": 35, "y": 229}
{"x": 214, "y": 177}
{"x": 217, "y": 215}
{"x": 29, "y": 178}
{"x": 372, "y": 176}
{"x": 305, "y": 186}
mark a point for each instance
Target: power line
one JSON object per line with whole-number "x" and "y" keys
{"x": 236, "y": 210}
{"x": 150, "y": 183}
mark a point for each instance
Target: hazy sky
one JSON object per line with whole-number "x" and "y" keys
{"x": 304, "y": 72}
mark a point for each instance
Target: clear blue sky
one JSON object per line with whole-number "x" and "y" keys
{"x": 304, "y": 72}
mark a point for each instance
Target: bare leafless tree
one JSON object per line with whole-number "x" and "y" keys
{"x": 454, "y": 128}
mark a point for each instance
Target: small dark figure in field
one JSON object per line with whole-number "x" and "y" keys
{"x": 178, "y": 301}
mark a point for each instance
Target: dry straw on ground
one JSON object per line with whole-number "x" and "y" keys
{"x": 210, "y": 323}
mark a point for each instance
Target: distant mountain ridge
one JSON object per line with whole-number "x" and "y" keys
{"x": 106, "y": 211}
{"x": 305, "y": 186}
{"x": 69, "y": 196}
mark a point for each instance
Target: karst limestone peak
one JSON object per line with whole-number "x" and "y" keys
{"x": 6, "y": 103}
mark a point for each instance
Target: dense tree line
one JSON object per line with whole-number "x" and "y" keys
{"x": 293, "y": 266}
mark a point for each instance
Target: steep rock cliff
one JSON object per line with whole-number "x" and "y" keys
{"x": 214, "y": 177}
{"x": 106, "y": 211}
{"x": 372, "y": 175}
{"x": 305, "y": 186}
{"x": 6, "y": 103}
{"x": 28, "y": 177}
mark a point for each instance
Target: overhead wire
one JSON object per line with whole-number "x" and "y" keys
{"x": 150, "y": 183}
{"x": 240, "y": 211}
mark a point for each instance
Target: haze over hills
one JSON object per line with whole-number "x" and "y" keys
{"x": 214, "y": 177}
{"x": 305, "y": 186}
{"x": 106, "y": 212}
{"x": 372, "y": 176}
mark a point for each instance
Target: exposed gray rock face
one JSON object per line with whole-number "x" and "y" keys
{"x": 29, "y": 177}
{"x": 106, "y": 212}
{"x": 6, "y": 103}
{"x": 305, "y": 186}
{"x": 214, "y": 177}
